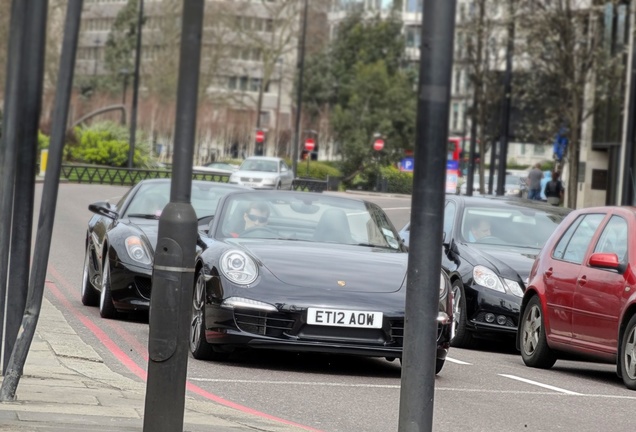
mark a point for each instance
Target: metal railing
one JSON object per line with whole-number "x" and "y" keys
{"x": 126, "y": 176}
{"x": 309, "y": 185}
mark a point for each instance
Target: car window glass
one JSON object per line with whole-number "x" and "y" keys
{"x": 559, "y": 250}
{"x": 449, "y": 217}
{"x": 613, "y": 239}
{"x": 580, "y": 241}
{"x": 507, "y": 222}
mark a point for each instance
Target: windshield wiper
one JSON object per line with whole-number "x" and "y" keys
{"x": 143, "y": 216}
{"x": 373, "y": 245}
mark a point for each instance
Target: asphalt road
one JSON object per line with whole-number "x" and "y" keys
{"x": 478, "y": 390}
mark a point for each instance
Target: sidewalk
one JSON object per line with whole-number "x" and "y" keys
{"x": 67, "y": 387}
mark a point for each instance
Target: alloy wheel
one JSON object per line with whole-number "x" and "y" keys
{"x": 531, "y": 330}
{"x": 629, "y": 354}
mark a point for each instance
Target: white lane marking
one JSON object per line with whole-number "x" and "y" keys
{"x": 452, "y": 360}
{"x": 302, "y": 383}
{"x": 547, "y": 386}
{"x": 397, "y": 386}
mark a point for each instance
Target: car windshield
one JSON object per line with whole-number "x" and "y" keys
{"x": 259, "y": 165}
{"x": 305, "y": 217}
{"x": 509, "y": 226}
{"x": 151, "y": 198}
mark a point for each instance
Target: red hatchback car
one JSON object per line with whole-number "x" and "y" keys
{"x": 580, "y": 301}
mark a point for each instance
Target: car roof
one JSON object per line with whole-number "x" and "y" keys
{"x": 269, "y": 158}
{"x": 502, "y": 201}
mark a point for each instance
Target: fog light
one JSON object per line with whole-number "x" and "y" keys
{"x": 501, "y": 320}
{"x": 490, "y": 318}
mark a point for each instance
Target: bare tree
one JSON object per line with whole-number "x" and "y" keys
{"x": 569, "y": 65}
{"x": 5, "y": 15}
{"x": 479, "y": 44}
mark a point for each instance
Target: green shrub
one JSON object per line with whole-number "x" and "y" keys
{"x": 397, "y": 181}
{"x": 107, "y": 144}
{"x": 43, "y": 141}
{"x": 317, "y": 169}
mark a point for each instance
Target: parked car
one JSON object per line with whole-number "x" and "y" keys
{"x": 121, "y": 240}
{"x": 514, "y": 186}
{"x": 262, "y": 172}
{"x": 217, "y": 167}
{"x": 580, "y": 303}
{"x": 490, "y": 244}
{"x": 300, "y": 271}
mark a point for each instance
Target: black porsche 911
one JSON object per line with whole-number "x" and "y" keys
{"x": 490, "y": 246}
{"x": 121, "y": 239}
{"x": 304, "y": 272}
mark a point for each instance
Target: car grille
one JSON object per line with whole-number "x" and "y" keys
{"x": 251, "y": 179}
{"x": 143, "y": 285}
{"x": 397, "y": 332}
{"x": 263, "y": 323}
{"x": 290, "y": 326}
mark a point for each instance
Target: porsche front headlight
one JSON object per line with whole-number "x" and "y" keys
{"x": 238, "y": 267}
{"x": 137, "y": 250}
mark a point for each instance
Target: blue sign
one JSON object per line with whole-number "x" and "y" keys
{"x": 406, "y": 164}
{"x": 452, "y": 165}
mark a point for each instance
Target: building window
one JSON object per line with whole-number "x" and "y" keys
{"x": 455, "y": 120}
{"x": 413, "y": 35}
{"x": 414, "y": 6}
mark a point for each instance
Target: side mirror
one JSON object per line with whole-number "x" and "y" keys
{"x": 452, "y": 251}
{"x": 605, "y": 260}
{"x": 103, "y": 208}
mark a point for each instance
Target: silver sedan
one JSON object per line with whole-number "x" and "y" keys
{"x": 262, "y": 172}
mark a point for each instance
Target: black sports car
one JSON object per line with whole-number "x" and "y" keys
{"x": 121, "y": 239}
{"x": 490, "y": 245}
{"x": 304, "y": 272}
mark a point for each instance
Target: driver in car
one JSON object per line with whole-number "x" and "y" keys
{"x": 256, "y": 215}
{"x": 480, "y": 229}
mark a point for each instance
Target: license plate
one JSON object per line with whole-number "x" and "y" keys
{"x": 344, "y": 318}
{"x": 251, "y": 184}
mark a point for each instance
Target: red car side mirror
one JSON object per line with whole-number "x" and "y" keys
{"x": 605, "y": 260}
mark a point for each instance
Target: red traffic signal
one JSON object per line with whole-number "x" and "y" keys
{"x": 310, "y": 144}
{"x": 378, "y": 144}
{"x": 260, "y": 136}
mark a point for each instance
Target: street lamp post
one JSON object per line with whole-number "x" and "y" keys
{"x": 299, "y": 94}
{"x": 125, "y": 73}
{"x": 133, "y": 114}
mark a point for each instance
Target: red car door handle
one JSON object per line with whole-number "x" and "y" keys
{"x": 582, "y": 280}
{"x": 548, "y": 272}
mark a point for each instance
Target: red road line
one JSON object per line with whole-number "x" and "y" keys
{"x": 130, "y": 363}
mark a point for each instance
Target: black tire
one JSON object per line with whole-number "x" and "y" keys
{"x": 627, "y": 357}
{"x": 106, "y": 306}
{"x": 463, "y": 338}
{"x": 90, "y": 296}
{"x": 278, "y": 186}
{"x": 199, "y": 346}
{"x": 439, "y": 364}
{"x": 535, "y": 351}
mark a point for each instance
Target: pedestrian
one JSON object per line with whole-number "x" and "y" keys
{"x": 534, "y": 182}
{"x": 554, "y": 190}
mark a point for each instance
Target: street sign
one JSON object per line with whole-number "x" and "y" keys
{"x": 260, "y": 136}
{"x": 406, "y": 164}
{"x": 310, "y": 144}
{"x": 378, "y": 144}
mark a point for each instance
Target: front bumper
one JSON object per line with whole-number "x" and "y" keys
{"x": 490, "y": 311}
{"x": 130, "y": 286}
{"x": 289, "y": 331}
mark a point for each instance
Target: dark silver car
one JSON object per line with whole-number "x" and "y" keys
{"x": 262, "y": 172}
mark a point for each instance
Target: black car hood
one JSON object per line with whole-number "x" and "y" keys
{"x": 344, "y": 268}
{"x": 511, "y": 263}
